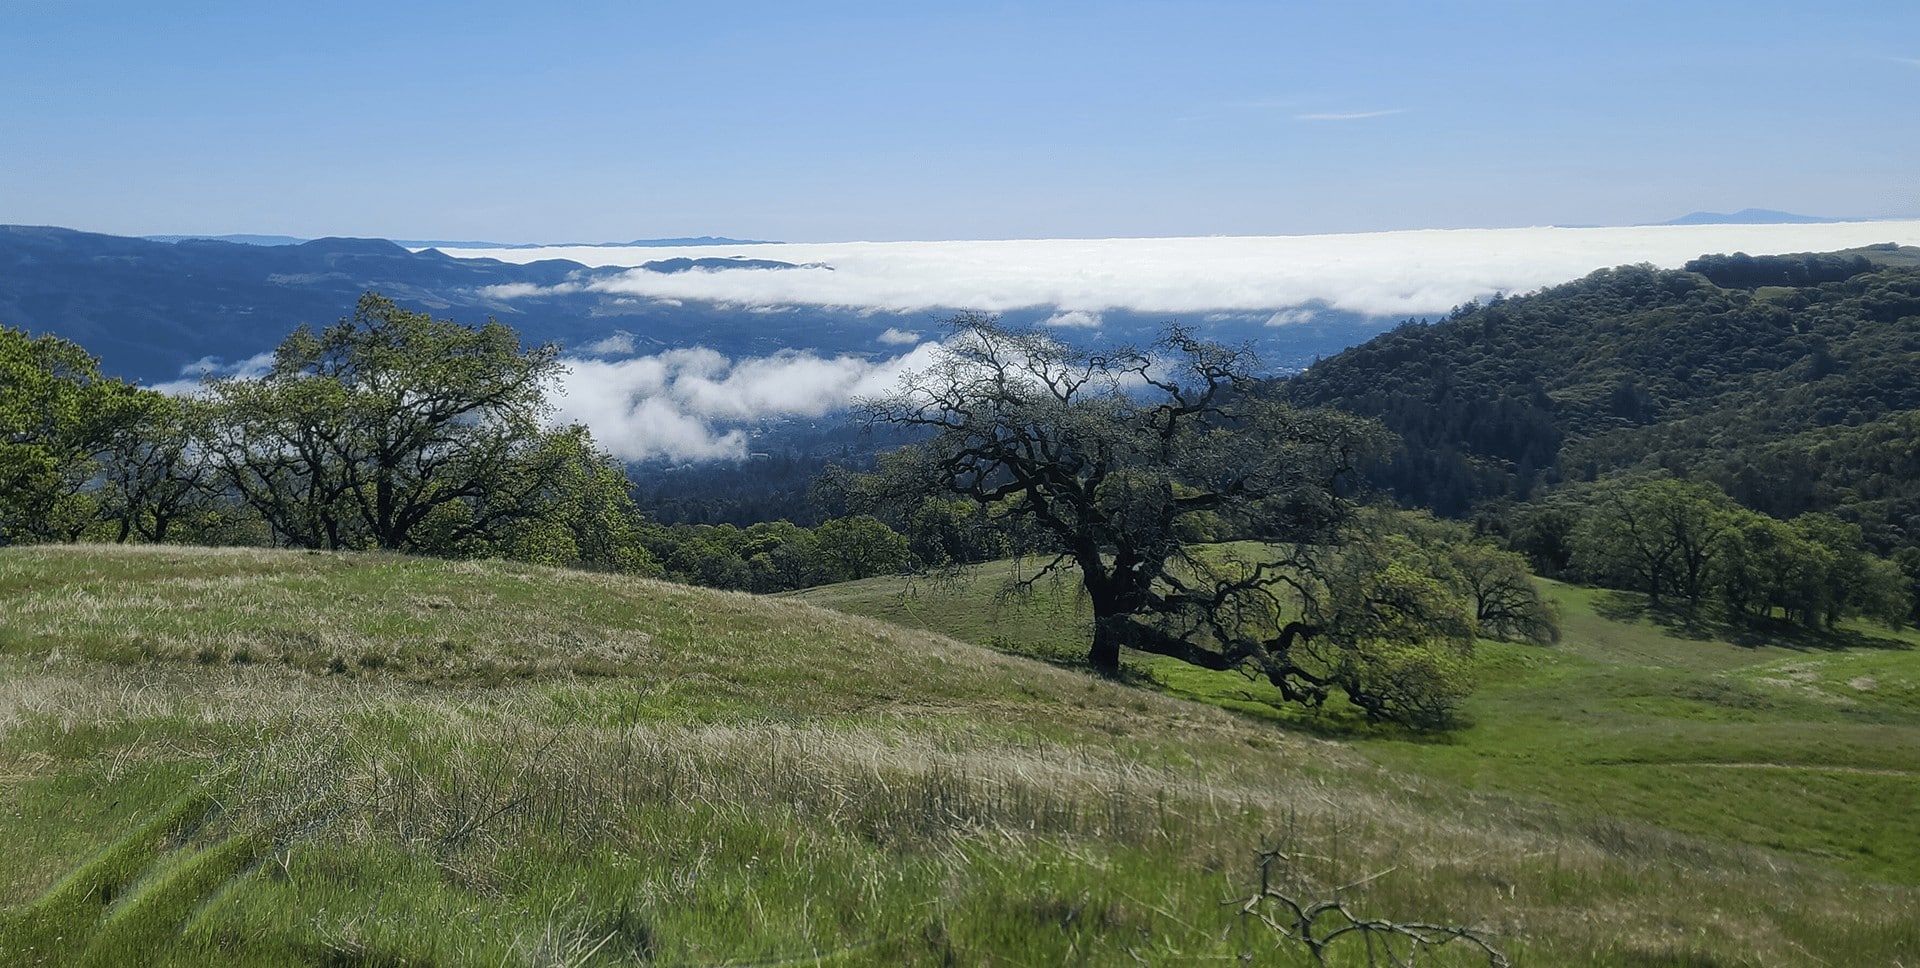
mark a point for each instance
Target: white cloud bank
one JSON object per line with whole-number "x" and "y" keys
{"x": 1389, "y": 274}
{"x": 687, "y": 404}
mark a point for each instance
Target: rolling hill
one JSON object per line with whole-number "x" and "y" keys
{"x": 262, "y": 757}
{"x": 1789, "y": 381}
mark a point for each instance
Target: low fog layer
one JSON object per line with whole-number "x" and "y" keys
{"x": 690, "y": 404}
{"x": 695, "y": 404}
{"x": 1392, "y": 274}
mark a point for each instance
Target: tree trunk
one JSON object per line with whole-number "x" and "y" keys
{"x": 1109, "y": 633}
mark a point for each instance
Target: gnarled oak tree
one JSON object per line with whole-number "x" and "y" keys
{"x": 1137, "y": 465}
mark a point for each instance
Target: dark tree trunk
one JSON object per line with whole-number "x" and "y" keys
{"x": 1109, "y": 633}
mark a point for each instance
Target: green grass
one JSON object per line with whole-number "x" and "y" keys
{"x": 1804, "y": 743}
{"x": 260, "y": 758}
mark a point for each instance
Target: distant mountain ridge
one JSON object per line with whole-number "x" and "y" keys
{"x": 151, "y": 309}
{"x": 273, "y": 240}
{"x": 155, "y": 310}
{"x": 1750, "y": 216}
{"x": 240, "y": 239}
{"x": 635, "y": 244}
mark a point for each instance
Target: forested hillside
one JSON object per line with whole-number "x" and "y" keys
{"x": 1791, "y": 382}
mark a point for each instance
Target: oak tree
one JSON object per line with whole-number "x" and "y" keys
{"x": 1125, "y": 458}
{"x": 395, "y": 430}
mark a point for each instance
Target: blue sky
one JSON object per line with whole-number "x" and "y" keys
{"x": 826, "y": 121}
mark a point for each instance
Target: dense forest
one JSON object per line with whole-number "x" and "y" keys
{"x": 1792, "y": 383}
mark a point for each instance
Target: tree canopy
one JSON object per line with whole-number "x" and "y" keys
{"x": 391, "y": 429}
{"x": 57, "y": 413}
{"x": 1789, "y": 382}
{"x": 1135, "y": 465}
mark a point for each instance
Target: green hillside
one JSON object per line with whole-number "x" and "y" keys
{"x": 1789, "y": 381}
{"x": 256, "y": 757}
{"x": 1801, "y": 742}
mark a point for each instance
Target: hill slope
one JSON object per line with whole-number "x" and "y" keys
{"x": 1792, "y": 382}
{"x": 1793, "y": 740}
{"x": 283, "y": 758}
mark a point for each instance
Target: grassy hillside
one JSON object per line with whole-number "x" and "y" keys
{"x": 250, "y": 757}
{"x": 1808, "y": 743}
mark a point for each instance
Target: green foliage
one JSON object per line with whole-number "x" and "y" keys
{"x": 1398, "y": 642}
{"x": 1672, "y": 539}
{"x": 399, "y": 431}
{"x": 776, "y": 556}
{"x": 859, "y": 547}
{"x": 1491, "y": 582}
{"x": 361, "y": 432}
{"x": 1657, "y": 536}
{"x": 156, "y": 479}
{"x": 56, "y": 415}
{"x": 1795, "y": 398}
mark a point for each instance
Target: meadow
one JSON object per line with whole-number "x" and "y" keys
{"x": 272, "y": 758}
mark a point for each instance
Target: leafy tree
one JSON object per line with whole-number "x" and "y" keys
{"x": 1908, "y": 561}
{"x": 392, "y": 429}
{"x": 1114, "y": 455}
{"x": 1658, "y": 535}
{"x": 860, "y": 547}
{"x": 1491, "y": 582}
{"x": 1505, "y": 603}
{"x": 57, "y": 413}
{"x": 1845, "y": 579}
{"x": 781, "y": 555}
{"x": 1544, "y": 533}
{"x": 154, "y": 475}
{"x": 587, "y": 517}
{"x": 703, "y": 554}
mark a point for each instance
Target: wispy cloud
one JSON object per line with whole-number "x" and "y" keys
{"x": 194, "y": 375}
{"x": 1074, "y": 319}
{"x": 1290, "y": 317}
{"x": 1267, "y": 103}
{"x": 1350, "y": 116}
{"x": 899, "y": 337}
{"x": 618, "y": 344}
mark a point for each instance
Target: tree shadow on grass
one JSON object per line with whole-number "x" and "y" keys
{"x": 1786, "y": 635}
{"x": 1679, "y": 621}
{"x": 1248, "y": 699}
{"x": 1708, "y": 623}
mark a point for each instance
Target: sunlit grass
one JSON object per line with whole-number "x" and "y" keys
{"x": 1806, "y": 743}
{"x": 607, "y": 771}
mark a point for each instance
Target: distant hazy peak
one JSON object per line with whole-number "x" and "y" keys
{"x": 636, "y": 243}
{"x": 1748, "y": 216}
{"x": 236, "y": 239}
{"x": 271, "y": 240}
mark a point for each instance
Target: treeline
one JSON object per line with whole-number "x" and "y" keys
{"x": 1688, "y": 545}
{"x": 391, "y": 430}
{"x": 770, "y": 556}
{"x": 1791, "y": 383}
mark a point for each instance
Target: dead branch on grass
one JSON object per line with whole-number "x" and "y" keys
{"x": 1319, "y": 924}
